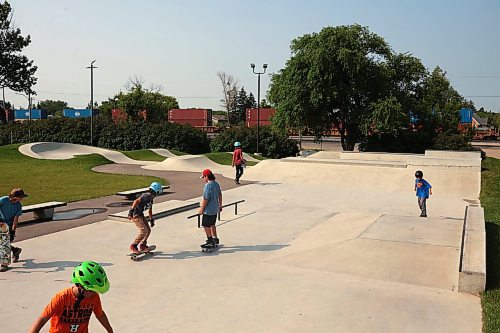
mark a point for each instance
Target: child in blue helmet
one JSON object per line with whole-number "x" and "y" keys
{"x": 136, "y": 214}
{"x": 423, "y": 189}
{"x": 238, "y": 161}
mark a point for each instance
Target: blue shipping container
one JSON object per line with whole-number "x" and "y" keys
{"x": 465, "y": 116}
{"x": 77, "y": 113}
{"x": 25, "y": 114}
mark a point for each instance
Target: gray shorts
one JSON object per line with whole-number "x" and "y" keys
{"x": 208, "y": 220}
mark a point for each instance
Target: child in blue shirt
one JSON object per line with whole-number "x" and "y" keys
{"x": 423, "y": 189}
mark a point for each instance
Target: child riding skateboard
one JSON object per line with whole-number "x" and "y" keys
{"x": 211, "y": 205}
{"x": 70, "y": 310}
{"x": 136, "y": 214}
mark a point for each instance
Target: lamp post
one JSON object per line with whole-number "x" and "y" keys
{"x": 258, "y": 100}
{"x": 30, "y": 101}
{"x": 91, "y": 100}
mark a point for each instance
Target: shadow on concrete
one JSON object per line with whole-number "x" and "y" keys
{"x": 58, "y": 266}
{"x": 222, "y": 222}
{"x": 221, "y": 250}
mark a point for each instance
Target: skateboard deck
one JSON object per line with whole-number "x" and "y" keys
{"x": 5, "y": 253}
{"x": 210, "y": 249}
{"x": 135, "y": 256}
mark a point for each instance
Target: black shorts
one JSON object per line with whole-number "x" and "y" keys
{"x": 208, "y": 220}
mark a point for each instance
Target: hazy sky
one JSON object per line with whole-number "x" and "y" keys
{"x": 181, "y": 45}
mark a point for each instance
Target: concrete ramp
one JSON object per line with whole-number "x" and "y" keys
{"x": 399, "y": 249}
{"x": 163, "y": 152}
{"x": 193, "y": 163}
{"x": 449, "y": 177}
{"x": 65, "y": 151}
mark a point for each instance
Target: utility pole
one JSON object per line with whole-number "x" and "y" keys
{"x": 91, "y": 100}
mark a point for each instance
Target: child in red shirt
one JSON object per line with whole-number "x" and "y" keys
{"x": 70, "y": 309}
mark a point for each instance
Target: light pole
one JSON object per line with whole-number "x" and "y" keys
{"x": 91, "y": 99}
{"x": 258, "y": 99}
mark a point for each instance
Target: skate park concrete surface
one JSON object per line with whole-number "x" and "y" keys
{"x": 326, "y": 243}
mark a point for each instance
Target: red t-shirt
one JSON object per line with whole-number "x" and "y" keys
{"x": 238, "y": 156}
{"x": 66, "y": 320}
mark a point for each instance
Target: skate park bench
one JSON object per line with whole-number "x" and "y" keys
{"x": 44, "y": 210}
{"x": 218, "y": 215}
{"x": 134, "y": 194}
{"x": 472, "y": 270}
{"x": 160, "y": 210}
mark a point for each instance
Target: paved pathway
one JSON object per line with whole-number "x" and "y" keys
{"x": 184, "y": 185}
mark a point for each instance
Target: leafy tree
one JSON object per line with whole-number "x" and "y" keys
{"x": 243, "y": 102}
{"x": 54, "y": 108}
{"x": 138, "y": 99}
{"x": 440, "y": 103}
{"x": 401, "y": 96}
{"x": 264, "y": 104}
{"x": 16, "y": 70}
{"x": 332, "y": 79}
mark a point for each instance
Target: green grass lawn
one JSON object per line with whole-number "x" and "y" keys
{"x": 62, "y": 180}
{"x": 143, "y": 155}
{"x": 225, "y": 158}
{"x": 177, "y": 152}
{"x": 490, "y": 200}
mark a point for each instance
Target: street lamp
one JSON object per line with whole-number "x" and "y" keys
{"x": 258, "y": 99}
{"x": 91, "y": 99}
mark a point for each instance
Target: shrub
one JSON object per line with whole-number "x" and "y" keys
{"x": 271, "y": 144}
{"x": 106, "y": 134}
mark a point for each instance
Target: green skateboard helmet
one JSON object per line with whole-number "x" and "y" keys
{"x": 91, "y": 276}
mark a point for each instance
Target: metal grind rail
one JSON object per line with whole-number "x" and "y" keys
{"x": 218, "y": 215}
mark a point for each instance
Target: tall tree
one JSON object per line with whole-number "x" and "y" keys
{"x": 441, "y": 102}
{"x": 243, "y": 102}
{"x": 16, "y": 70}
{"x": 54, "y": 108}
{"x": 331, "y": 79}
{"x": 230, "y": 93}
{"x": 139, "y": 99}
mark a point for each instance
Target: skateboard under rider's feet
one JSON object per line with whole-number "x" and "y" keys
{"x": 136, "y": 255}
{"x": 210, "y": 248}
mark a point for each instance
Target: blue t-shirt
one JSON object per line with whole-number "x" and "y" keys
{"x": 9, "y": 210}
{"x": 423, "y": 190}
{"x": 145, "y": 203}
{"x": 211, "y": 193}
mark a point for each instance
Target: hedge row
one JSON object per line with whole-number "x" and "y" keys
{"x": 141, "y": 135}
{"x": 271, "y": 144}
{"x": 123, "y": 136}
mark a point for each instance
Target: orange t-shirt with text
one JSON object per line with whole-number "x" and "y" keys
{"x": 66, "y": 320}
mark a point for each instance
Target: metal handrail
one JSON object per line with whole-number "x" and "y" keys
{"x": 218, "y": 215}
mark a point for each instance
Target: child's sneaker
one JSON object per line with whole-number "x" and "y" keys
{"x": 133, "y": 248}
{"x": 15, "y": 254}
{"x": 143, "y": 247}
{"x": 216, "y": 241}
{"x": 209, "y": 243}
{"x": 4, "y": 268}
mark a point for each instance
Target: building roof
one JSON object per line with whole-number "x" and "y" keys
{"x": 481, "y": 121}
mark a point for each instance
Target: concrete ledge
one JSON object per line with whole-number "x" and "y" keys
{"x": 472, "y": 273}
{"x": 349, "y": 162}
{"x": 43, "y": 210}
{"x": 160, "y": 210}
{"x": 134, "y": 194}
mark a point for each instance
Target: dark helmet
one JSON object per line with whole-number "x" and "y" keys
{"x": 419, "y": 174}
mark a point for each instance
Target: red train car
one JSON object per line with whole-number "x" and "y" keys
{"x": 193, "y": 117}
{"x": 264, "y": 116}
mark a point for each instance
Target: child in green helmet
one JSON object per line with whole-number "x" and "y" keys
{"x": 70, "y": 310}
